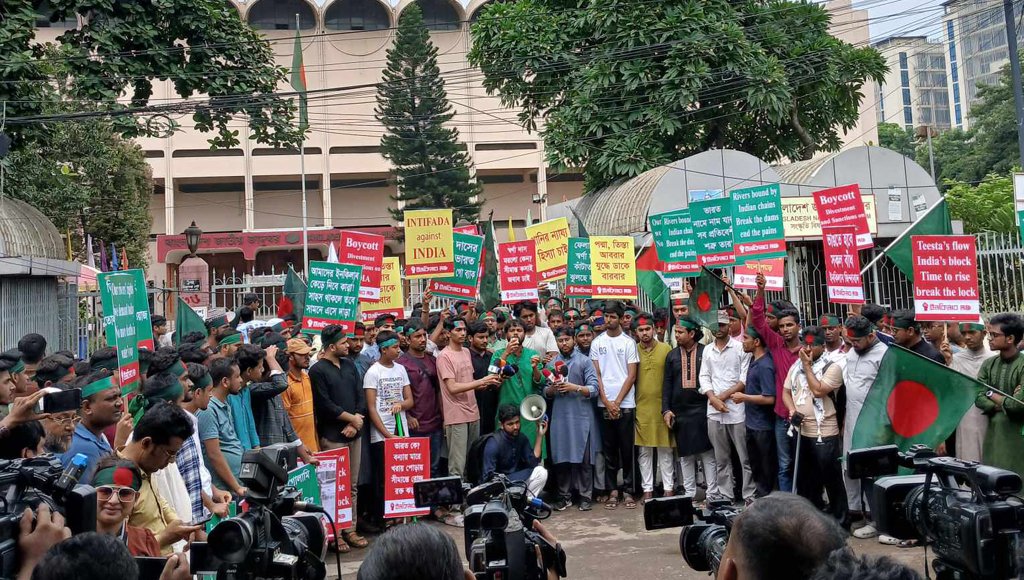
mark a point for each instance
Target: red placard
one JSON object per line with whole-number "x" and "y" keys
{"x": 774, "y": 271}
{"x": 842, "y": 206}
{"x": 842, "y": 265}
{"x": 517, "y": 271}
{"x": 406, "y": 461}
{"x": 945, "y": 278}
{"x": 366, "y": 250}
{"x": 334, "y": 473}
{"x": 468, "y": 229}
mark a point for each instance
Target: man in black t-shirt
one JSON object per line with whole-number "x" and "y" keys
{"x": 486, "y": 399}
{"x": 907, "y": 333}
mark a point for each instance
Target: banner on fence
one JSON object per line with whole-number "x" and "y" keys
{"x": 842, "y": 206}
{"x": 612, "y": 267}
{"x": 366, "y": 250}
{"x": 429, "y": 243}
{"x": 842, "y": 265}
{"x": 406, "y": 461}
{"x": 392, "y": 296}
{"x": 332, "y": 297}
{"x": 757, "y": 228}
{"x": 774, "y": 271}
{"x": 126, "y": 319}
{"x": 335, "y": 477}
{"x": 712, "y": 228}
{"x": 552, "y": 242}
{"x": 675, "y": 244}
{"x": 945, "y": 278}
{"x": 577, "y": 281}
{"x": 468, "y": 257}
{"x": 517, "y": 274}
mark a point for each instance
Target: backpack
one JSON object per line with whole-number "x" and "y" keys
{"x": 475, "y": 459}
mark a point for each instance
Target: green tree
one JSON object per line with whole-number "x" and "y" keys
{"x": 983, "y": 207}
{"x": 620, "y": 87}
{"x": 897, "y": 138}
{"x": 431, "y": 166}
{"x": 956, "y": 157}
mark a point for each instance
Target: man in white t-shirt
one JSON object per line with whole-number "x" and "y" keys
{"x": 616, "y": 360}
{"x": 388, "y": 397}
{"x": 538, "y": 338}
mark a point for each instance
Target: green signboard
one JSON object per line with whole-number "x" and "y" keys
{"x": 675, "y": 243}
{"x": 712, "y": 228}
{"x": 126, "y": 320}
{"x": 304, "y": 479}
{"x": 577, "y": 281}
{"x": 332, "y": 297}
{"x": 757, "y": 223}
{"x": 468, "y": 254}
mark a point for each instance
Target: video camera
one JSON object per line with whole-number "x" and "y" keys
{"x": 36, "y": 481}
{"x": 703, "y": 544}
{"x": 975, "y": 528}
{"x": 269, "y": 540}
{"x": 500, "y": 539}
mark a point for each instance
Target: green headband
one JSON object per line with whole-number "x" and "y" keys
{"x": 177, "y": 369}
{"x": 138, "y": 405}
{"x": 409, "y": 330}
{"x": 110, "y": 364}
{"x": 202, "y": 382}
{"x": 387, "y": 343}
{"x": 811, "y": 339}
{"x": 400, "y": 329}
{"x": 687, "y": 324}
{"x": 458, "y": 324}
{"x": 904, "y": 323}
{"x": 18, "y": 366}
{"x": 829, "y": 320}
{"x": 965, "y": 326}
{"x": 584, "y": 327}
{"x": 235, "y": 338}
{"x": 753, "y": 333}
{"x": 97, "y": 386}
{"x": 117, "y": 475}
{"x": 217, "y": 321}
{"x": 851, "y": 333}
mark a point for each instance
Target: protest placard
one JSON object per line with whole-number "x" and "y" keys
{"x": 143, "y": 325}
{"x": 675, "y": 243}
{"x": 712, "y": 228}
{"x": 517, "y": 273}
{"x": 468, "y": 255}
{"x": 429, "y": 243}
{"x": 842, "y": 265}
{"x": 552, "y": 243}
{"x": 366, "y": 250}
{"x": 124, "y": 315}
{"x": 335, "y": 479}
{"x": 774, "y": 270}
{"x": 577, "y": 282}
{"x": 757, "y": 227}
{"x": 392, "y": 296}
{"x": 842, "y": 206}
{"x": 406, "y": 461}
{"x": 470, "y": 229}
{"x": 800, "y": 216}
{"x": 612, "y": 267}
{"x": 304, "y": 479}
{"x": 945, "y": 278}
{"x": 332, "y": 296}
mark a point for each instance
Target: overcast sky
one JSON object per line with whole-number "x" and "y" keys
{"x": 888, "y": 16}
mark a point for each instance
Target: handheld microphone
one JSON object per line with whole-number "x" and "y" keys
{"x": 498, "y": 368}
{"x": 509, "y": 370}
{"x": 549, "y": 377}
{"x": 561, "y": 369}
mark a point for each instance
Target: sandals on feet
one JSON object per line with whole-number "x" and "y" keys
{"x": 612, "y": 502}
{"x": 630, "y": 504}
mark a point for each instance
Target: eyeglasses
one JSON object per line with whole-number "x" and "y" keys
{"x": 170, "y": 454}
{"x": 65, "y": 421}
{"x": 124, "y": 494}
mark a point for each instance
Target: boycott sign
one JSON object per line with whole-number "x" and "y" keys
{"x": 392, "y": 300}
{"x": 945, "y": 278}
{"x": 518, "y": 275}
{"x": 674, "y": 242}
{"x": 468, "y": 256}
{"x": 800, "y": 216}
{"x": 842, "y": 206}
{"x": 335, "y": 479}
{"x": 757, "y": 227}
{"x": 429, "y": 243}
{"x": 774, "y": 271}
{"x": 406, "y": 461}
{"x": 366, "y": 250}
{"x": 332, "y": 297}
{"x": 577, "y": 281}
{"x": 612, "y": 267}
{"x": 712, "y": 227}
{"x": 842, "y": 266}
{"x": 119, "y": 293}
{"x": 552, "y": 239}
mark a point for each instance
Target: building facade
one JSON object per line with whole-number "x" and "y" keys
{"x": 915, "y": 91}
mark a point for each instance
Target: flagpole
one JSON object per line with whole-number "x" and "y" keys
{"x": 901, "y": 236}
{"x": 302, "y": 170}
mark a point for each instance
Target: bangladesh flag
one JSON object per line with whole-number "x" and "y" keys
{"x": 489, "y": 293}
{"x": 648, "y": 277}
{"x": 293, "y": 297}
{"x": 705, "y": 298}
{"x": 299, "y": 81}
{"x": 913, "y": 400}
{"x": 187, "y": 320}
{"x": 935, "y": 222}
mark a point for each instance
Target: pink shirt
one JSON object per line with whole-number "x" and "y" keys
{"x": 457, "y": 365}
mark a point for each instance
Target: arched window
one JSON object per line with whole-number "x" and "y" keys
{"x": 356, "y": 15}
{"x": 280, "y": 15}
{"x": 480, "y": 10}
{"x": 439, "y": 15}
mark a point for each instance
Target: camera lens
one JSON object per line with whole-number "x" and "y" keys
{"x": 702, "y": 546}
{"x": 232, "y": 539}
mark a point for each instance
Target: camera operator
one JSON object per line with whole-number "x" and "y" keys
{"x": 23, "y": 441}
{"x": 845, "y": 564}
{"x": 93, "y": 556}
{"x": 35, "y": 540}
{"x": 510, "y": 453}
{"x": 780, "y": 536}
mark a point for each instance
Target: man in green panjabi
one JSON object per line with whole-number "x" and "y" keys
{"x": 528, "y": 381}
{"x": 1005, "y": 372}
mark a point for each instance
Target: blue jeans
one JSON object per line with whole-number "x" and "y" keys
{"x": 785, "y": 445}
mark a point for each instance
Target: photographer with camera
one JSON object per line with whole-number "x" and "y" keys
{"x": 509, "y": 452}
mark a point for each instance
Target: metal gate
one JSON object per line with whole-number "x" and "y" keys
{"x": 1000, "y": 272}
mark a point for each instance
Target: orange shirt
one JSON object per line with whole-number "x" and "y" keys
{"x": 298, "y": 401}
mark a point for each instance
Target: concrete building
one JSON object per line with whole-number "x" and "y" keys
{"x": 851, "y": 25}
{"x": 915, "y": 91}
{"x": 975, "y": 36}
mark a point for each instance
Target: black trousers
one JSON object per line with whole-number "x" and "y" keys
{"x": 617, "y": 437}
{"x": 376, "y": 500}
{"x": 578, "y": 475}
{"x": 820, "y": 470}
{"x": 764, "y": 460}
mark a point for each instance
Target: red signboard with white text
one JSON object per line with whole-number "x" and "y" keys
{"x": 774, "y": 271}
{"x": 406, "y": 461}
{"x": 335, "y": 476}
{"x": 842, "y": 206}
{"x": 945, "y": 278}
{"x": 366, "y": 250}
{"x": 517, "y": 271}
{"x": 842, "y": 265}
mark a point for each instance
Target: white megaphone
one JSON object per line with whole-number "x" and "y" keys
{"x": 533, "y": 407}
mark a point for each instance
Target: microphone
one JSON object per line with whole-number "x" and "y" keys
{"x": 509, "y": 370}
{"x": 549, "y": 377}
{"x": 497, "y": 369}
{"x": 561, "y": 369}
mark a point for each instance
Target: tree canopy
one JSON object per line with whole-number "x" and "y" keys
{"x": 620, "y": 87}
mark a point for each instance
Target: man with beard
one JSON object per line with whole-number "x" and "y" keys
{"x": 527, "y": 381}
{"x": 298, "y": 399}
{"x": 217, "y": 327}
{"x": 102, "y": 407}
{"x": 758, "y": 396}
{"x": 538, "y": 338}
{"x": 59, "y": 427}
{"x": 652, "y": 435}
{"x": 835, "y": 346}
{"x": 511, "y": 453}
{"x": 486, "y": 398}
{"x": 425, "y": 419}
{"x": 584, "y": 337}
{"x": 1005, "y": 371}
{"x": 907, "y": 333}
{"x": 970, "y": 433}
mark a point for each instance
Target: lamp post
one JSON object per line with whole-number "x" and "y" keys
{"x": 926, "y": 132}
{"x": 192, "y": 235}
{"x": 194, "y": 273}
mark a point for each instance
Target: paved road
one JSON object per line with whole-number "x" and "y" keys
{"x": 613, "y": 545}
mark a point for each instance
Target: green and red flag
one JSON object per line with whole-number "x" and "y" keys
{"x": 706, "y": 298}
{"x": 649, "y": 277}
{"x": 914, "y": 400}
{"x": 934, "y": 222}
{"x": 293, "y": 297}
{"x": 299, "y": 81}
{"x": 187, "y": 320}
{"x": 489, "y": 293}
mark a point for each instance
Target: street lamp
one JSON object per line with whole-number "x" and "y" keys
{"x": 192, "y": 235}
{"x": 927, "y": 132}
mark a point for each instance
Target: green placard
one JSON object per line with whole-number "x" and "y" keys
{"x": 577, "y": 281}
{"x": 332, "y": 297}
{"x": 757, "y": 223}
{"x": 675, "y": 243}
{"x": 1020, "y": 221}
{"x": 143, "y": 327}
{"x": 119, "y": 296}
{"x": 468, "y": 251}
{"x": 712, "y": 228}
{"x": 304, "y": 479}
{"x": 215, "y": 519}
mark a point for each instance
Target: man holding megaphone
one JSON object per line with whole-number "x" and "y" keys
{"x": 520, "y": 369}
